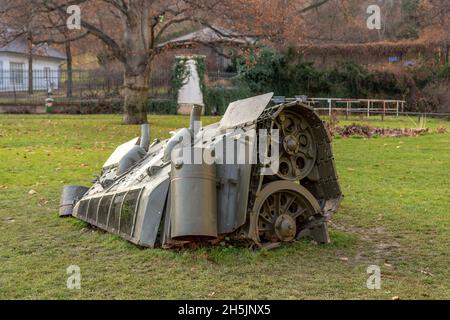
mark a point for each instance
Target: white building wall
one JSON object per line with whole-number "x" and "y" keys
{"x": 46, "y": 72}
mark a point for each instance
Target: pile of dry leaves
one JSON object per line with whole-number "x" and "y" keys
{"x": 368, "y": 131}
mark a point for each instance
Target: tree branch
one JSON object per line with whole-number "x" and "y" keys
{"x": 313, "y": 6}
{"x": 106, "y": 39}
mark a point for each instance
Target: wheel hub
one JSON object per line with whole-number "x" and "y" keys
{"x": 281, "y": 208}
{"x": 291, "y": 144}
{"x": 285, "y": 228}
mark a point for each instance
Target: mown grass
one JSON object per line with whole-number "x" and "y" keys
{"x": 395, "y": 215}
{"x": 391, "y": 121}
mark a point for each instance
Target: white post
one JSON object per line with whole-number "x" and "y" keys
{"x": 368, "y": 109}
{"x": 329, "y": 107}
{"x": 397, "y": 108}
{"x": 190, "y": 93}
{"x": 348, "y": 107}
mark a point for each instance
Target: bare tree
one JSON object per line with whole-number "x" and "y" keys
{"x": 56, "y": 32}
{"x": 133, "y": 30}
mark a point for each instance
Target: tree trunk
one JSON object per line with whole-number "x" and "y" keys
{"x": 137, "y": 62}
{"x": 136, "y": 89}
{"x": 69, "y": 70}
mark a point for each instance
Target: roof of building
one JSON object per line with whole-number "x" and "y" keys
{"x": 20, "y": 46}
{"x": 212, "y": 35}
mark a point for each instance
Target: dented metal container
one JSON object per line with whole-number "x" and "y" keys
{"x": 193, "y": 201}
{"x": 268, "y": 176}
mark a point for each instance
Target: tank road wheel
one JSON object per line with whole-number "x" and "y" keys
{"x": 299, "y": 153}
{"x": 281, "y": 209}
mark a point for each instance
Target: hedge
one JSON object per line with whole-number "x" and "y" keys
{"x": 162, "y": 106}
{"x": 218, "y": 98}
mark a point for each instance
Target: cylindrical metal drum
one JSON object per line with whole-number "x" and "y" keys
{"x": 193, "y": 201}
{"x": 69, "y": 195}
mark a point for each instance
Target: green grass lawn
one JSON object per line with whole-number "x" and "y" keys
{"x": 396, "y": 214}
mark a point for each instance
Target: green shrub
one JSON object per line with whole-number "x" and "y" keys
{"x": 162, "y": 106}
{"x": 264, "y": 71}
{"x": 423, "y": 75}
{"x": 383, "y": 83}
{"x": 218, "y": 98}
{"x": 354, "y": 78}
{"x": 268, "y": 70}
{"x": 305, "y": 79}
{"x": 97, "y": 106}
{"x": 444, "y": 73}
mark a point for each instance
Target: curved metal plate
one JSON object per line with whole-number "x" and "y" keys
{"x": 118, "y": 154}
{"x": 245, "y": 111}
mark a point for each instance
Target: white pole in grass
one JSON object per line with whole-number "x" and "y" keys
{"x": 346, "y": 114}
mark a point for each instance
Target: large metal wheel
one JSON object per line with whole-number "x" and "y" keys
{"x": 299, "y": 151}
{"x": 281, "y": 208}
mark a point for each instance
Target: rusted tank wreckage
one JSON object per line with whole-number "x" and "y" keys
{"x": 262, "y": 188}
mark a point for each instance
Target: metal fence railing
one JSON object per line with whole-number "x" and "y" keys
{"x": 18, "y": 80}
{"x": 18, "y": 86}
{"x": 362, "y": 107}
{"x": 21, "y": 87}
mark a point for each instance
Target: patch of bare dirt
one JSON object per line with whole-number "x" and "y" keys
{"x": 378, "y": 245}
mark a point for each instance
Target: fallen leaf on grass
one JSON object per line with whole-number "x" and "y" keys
{"x": 32, "y": 192}
{"x": 427, "y": 273}
{"x": 441, "y": 130}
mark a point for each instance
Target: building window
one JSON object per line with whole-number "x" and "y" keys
{"x": 47, "y": 77}
{"x": 17, "y": 72}
{"x": 47, "y": 74}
